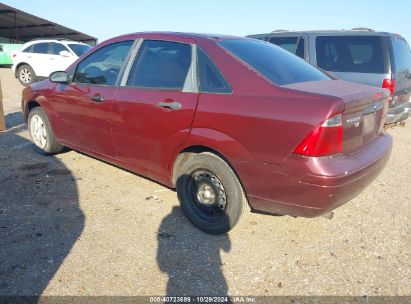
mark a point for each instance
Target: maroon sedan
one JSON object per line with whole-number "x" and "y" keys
{"x": 229, "y": 122}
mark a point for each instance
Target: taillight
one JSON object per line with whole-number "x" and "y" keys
{"x": 325, "y": 139}
{"x": 14, "y": 55}
{"x": 389, "y": 84}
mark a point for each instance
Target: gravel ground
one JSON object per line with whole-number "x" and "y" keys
{"x": 73, "y": 225}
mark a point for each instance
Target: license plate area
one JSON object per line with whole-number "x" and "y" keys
{"x": 369, "y": 124}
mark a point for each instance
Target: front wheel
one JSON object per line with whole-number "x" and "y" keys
{"x": 210, "y": 193}
{"x": 41, "y": 134}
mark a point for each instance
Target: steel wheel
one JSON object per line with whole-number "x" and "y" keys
{"x": 38, "y": 131}
{"x": 207, "y": 195}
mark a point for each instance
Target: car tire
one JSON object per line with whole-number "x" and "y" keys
{"x": 41, "y": 133}
{"x": 26, "y": 75}
{"x": 210, "y": 193}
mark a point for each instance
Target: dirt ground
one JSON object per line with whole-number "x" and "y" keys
{"x": 73, "y": 225}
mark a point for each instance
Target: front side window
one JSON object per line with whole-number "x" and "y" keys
{"x": 210, "y": 79}
{"x": 104, "y": 65}
{"x": 294, "y": 45}
{"x": 56, "y": 48}
{"x": 360, "y": 54}
{"x": 40, "y": 48}
{"x": 276, "y": 64}
{"x": 161, "y": 65}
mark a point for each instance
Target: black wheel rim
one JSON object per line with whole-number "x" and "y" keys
{"x": 206, "y": 195}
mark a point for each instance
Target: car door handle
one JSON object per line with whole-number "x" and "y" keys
{"x": 98, "y": 98}
{"x": 173, "y": 105}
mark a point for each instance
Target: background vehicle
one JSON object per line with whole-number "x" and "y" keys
{"x": 6, "y": 50}
{"x": 226, "y": 120}
{"x": 375, "y": 58}
{"x": 38, "y": 58}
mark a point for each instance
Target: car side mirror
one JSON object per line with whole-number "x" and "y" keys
{"x": 59, "y": 77}
{"x": 65, "y": 54}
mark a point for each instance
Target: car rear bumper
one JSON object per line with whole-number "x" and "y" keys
{"x": 398, "y": 113}
{"x": 311, "y": 186}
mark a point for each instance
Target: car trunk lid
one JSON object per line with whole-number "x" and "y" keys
{"x": 363, "y": 109}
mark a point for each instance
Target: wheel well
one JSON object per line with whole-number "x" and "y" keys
{"x": 30, "y": 106}
{"x": 19, "y": 65}
{"x": 186, "y": 152}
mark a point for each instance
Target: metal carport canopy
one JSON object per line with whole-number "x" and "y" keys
{"x": 19, "y": 26}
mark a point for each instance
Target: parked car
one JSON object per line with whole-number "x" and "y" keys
{"x": 229, "y": 122}
{"x": 361, "y": 55}
{"x": 6, "y": 50}
{"x": 37, "y": 59}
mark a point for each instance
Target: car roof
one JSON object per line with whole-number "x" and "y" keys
{"x": 354, "y": 32}
{"x": 194, "y": 36}
{"x": 53, "y": 40}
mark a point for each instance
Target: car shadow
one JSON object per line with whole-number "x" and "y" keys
{"x": 40, "y": 218}
{"x": 191, "y": 258}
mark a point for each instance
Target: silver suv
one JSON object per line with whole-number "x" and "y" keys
{"x": 360, "y": 55}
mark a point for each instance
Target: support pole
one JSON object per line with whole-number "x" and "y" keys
{"x": 2, "y": 119}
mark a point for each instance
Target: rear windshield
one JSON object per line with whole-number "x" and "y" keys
{"x": 401, "y": 55}
{"x": 79, "y": 49}
{"x": 359, "y": 54}
{"x": 278, "y": 65}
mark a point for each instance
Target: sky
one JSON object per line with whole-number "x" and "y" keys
{"x": 106, "y": 19}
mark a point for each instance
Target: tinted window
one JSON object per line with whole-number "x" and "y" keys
{"x": 103, "y": 66}
{"x": 273, "y": 62}
{"x": 210, "y": 78}
{"x": 161, "y": 64}
{"x": 40, "y": 48}
{"x": 79, "y": 49}
{"x": 28, "y": 49}
{"x": 401, "y": 55}
{"x": 361, "y": 54}
{"x": 294, "y": 45}
{"x": 56, "y": 48}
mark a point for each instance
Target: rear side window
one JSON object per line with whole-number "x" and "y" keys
{"x": 56, "y": 48}
{"x": 104, "y": 65}
{"x": 294, "y": 45}
{"x": 28, "y": 49}
{"x": 359, "y": 54}
{"x": 209, "y": 77}
{"x": 401, "y": 55}
{"x": 40, "y": 48}
{"x": 275, "y": 63}
{"x": 161, "y": 65}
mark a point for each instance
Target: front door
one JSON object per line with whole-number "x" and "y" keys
{"x": 84, "y": 106}
{"x": 154, "y": 106}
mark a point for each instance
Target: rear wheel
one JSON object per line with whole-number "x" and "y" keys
{"x": 26, "y": 75}
{"x": 41, "y": 134}
{"x": 210, "y": 193}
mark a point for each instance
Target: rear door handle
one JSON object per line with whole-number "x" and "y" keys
{"x": 98, "y": 98}
{"x": 173, "y": 105}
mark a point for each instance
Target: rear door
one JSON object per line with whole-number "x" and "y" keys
{"x": 38, "y": 59}
{"x": 401, "y": 67}
{"x": 155, "y": 105}
{"x": 361, "y": 58}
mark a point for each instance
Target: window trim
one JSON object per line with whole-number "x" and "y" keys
{"x": 191, "y": 71}
{"x": 73, "y": 71}
{"x": 219, "y": 71}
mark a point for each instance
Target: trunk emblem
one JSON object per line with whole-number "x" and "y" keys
{"x": 354, "y": 121}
